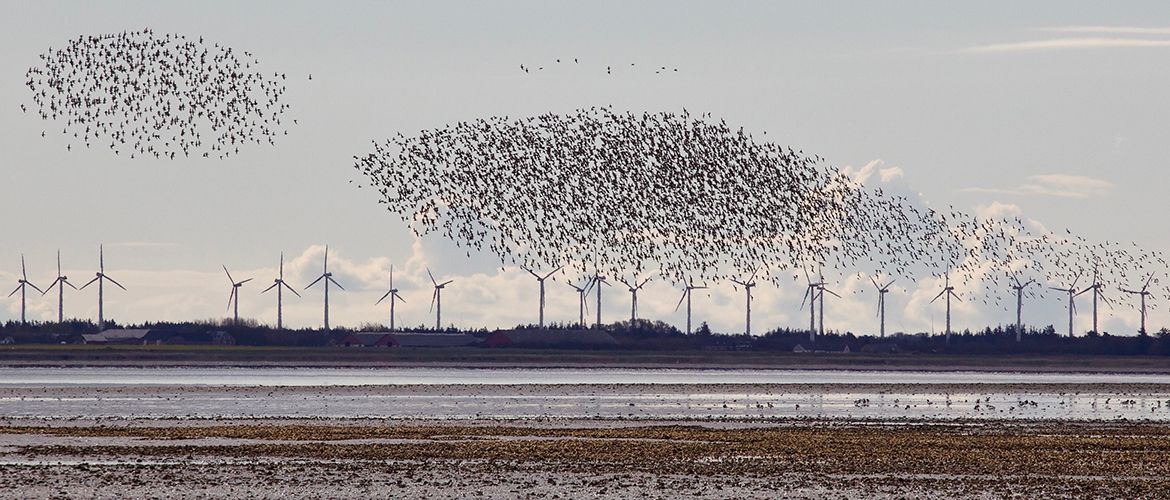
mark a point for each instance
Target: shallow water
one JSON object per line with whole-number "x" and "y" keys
{"x": 271, "y": 377}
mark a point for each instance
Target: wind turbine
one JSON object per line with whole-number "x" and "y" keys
{"x": 1142, "y": 293}
{"x": 437, "y": 299}
{"x": 747, "y": 287}
{"x": 881, "y": 304}
{"x": 279, "y": 284}
{"x": 633, "y": 288}
{"x": 582, "y": 302}
{"x": 393, "y": 294}
{"x": 687, "y": 292}
{"x": 327, "y": 277}
{"x": 822, "y": 300}
{"x": 811, "y": 295}
{"x": 101, "y": 278}
{"x": 1019, "y": 287}
{"x": 1097, "y": 287}
{"x": 61, "y": 281}
{"x": 597, "y": 281}
{"x": 24, "y": 283}
{"x": 540, "y": 279}
{"x": 949, "y": 291}
{"x": 234, "y": 297}
{"x": 1072, "y": 305}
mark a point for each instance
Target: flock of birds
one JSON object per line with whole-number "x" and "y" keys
{"x": 690, "y": 199}
{"x": 609, "y": 69}
{"x": 676, "y": 196}
{"x": 157, "y": 96}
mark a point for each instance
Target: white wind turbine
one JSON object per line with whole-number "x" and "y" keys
{"x": 823, "y": 290}
{"x": 597, "y": 281}
{"x": 633, "y": 289}
{"x": 1142, "y": 293}
{"x": 1072, "y": 305}
{"x": 881, "y": 304}
{"x": 234, "y": 296}
{"x": 101, "y": 278}
{"x": 24, "y": 283}
{"x": 1019, "y": 288}
{"x": 1098, "y": 294}
{"x": 540, "y": 279}
{"x": 437, "y": 299}
{"x": 747, "y": 285}
{"x": 687, "y": 292}
{"x": 949, "y": 291}
{"x": 327, "y": 277}
{"x": 812, "y": 292}
{"x": 392, "y": 293}
{"x": 279, "y": 284}
{"x": 582, "y": 302}
{"x": 61, "y": 281}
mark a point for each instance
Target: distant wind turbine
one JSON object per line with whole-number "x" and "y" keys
{"x": 234, "y": 296}
{"x": 633, "y": 288}
{"x": 1142, "y": 293}
{"x": 392, "y": 293}
{"x": 540, "y": 279}
{"x": 687, "y": 292}
{"x": 101, "y": 278}
{"x": 1098, "y": 294}
{"x": 60, "y": 282}
{"x": 747, "y": 285}
{"x": 1072, "y": 305}
{"x": 279, "y": 284}
{"x": 24, "y": 284}
{"x": 582, "y": 302}
{"x": 327, "y": 277}
{"x": 823, "y": 290}
{"x": 881, "y": 304}
{"x": 949, "y": 292}
{"x": 597, "y": 281}
{"x": 437, "y": 299}
{"x": 1019, "y": 287}
{"x": 811, "y": 295}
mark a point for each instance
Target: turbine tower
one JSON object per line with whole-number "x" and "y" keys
{"x": 1019, "y": 287}
{"x": 822, "y": 300}
{"x": 327, "y": 277}
{"x": 1072, "y": 305}
{"x": 61, "y": 281}
{"x": 24, "y": 284}
{"x": 393, "y": 294}
{"x": 101, "y": 278}
{"x": 687, "y": 292}
{"x": 1098, "y": 294}
{"x": 582, "y": 302}
{"x": 234, "y": 296}
{"x": 540, "y": 279}
{"x": 747, "y": 287}
{"x": 811, "y": 294}
{"x": 949, "y": 291}
{"x": 881, "y": 304}
{"x": 279, "y": 284}
{"x": 1142, "y": 293}
{"x": 437, "y": 299}
{"x": 597, "y": 281}
{"x": 633, "y": 289}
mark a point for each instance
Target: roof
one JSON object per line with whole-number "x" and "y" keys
{"x": 112, "y": 335}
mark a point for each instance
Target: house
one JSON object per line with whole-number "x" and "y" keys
{"x": 128, "y": 336}
{"x": 551, "y": 339}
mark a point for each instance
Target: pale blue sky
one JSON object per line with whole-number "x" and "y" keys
{"x": 929, "y": 87}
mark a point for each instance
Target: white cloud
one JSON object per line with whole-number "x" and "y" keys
{"x": 1067, "y": 44}
{"x": 1120, "y": 30}
{"x": 1065, "y": 186}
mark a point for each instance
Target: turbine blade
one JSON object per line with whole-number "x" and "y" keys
{"x": 399, "y": 297}
{"x": 554, "y": 271}
{"x": 229, "y": 275}
{"x": 445, "y": 283}
{"x": 940, "y": 294}
{"x": 331, "y": 280}
{"x": 245, "y": 281}
{"x": 90, "y": 282}
{"x": 290, "y": 288}
{"x": 315, "y": 281}
{"x": 16, "y": 290}
{"x": 51, "y": 285}
{"x": 830, "y": 292}
{"x": 432, "y": 276}
{"x": 680, "y": 300}
{"x": 388, "y": 292}
{"x": 433, "y": 296}
{"x": 65, "y": 281}
{"x": 270, "y": 287}
{"x": 114, "y": 282}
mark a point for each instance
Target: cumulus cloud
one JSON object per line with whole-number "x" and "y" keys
{"x": 1073, "y": 43}
{"x": 1123, "y": 30}
{"x": 1065, "y": 186}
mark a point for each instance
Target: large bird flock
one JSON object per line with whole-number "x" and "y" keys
{"x": 692, "y": 199}
{"x": 146, "y": 95}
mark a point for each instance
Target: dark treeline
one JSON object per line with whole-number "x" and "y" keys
{"x": 661, "y": 336}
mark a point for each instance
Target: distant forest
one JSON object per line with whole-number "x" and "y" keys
{"x": 660, "y": 336}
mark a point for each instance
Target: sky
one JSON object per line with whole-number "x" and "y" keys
{"x": 1053, "y": 111}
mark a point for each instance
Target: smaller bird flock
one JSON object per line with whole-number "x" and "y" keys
{"x": 160, "y": 96}
{"x": 610, "y": 69}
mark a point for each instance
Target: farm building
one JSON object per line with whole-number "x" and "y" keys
{"x": 549, "y": 339}
{"x": 132, "y": 336}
